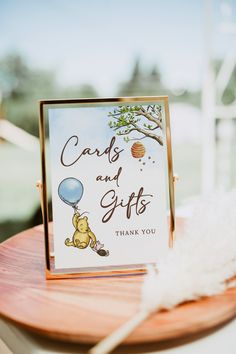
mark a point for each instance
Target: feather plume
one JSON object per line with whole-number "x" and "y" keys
{"x": 202, "y": 259}
{"x": 201, "y": 264}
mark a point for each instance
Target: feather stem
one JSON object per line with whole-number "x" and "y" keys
{"x": 114, "y": 339}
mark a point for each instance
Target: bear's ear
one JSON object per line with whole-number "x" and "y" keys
{"x": 85, "y": 218}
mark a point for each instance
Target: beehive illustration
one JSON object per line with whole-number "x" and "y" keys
{"x": 138, "y": 150}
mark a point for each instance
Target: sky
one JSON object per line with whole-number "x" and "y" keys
{"x": 97, "y": 41}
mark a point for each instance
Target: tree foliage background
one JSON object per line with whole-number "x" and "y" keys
{"x": 21, "y": 87}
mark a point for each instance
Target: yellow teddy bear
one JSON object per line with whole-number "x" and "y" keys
{"x": 82, "y": 235}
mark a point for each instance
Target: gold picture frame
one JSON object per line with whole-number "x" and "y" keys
{"x": 51, "y": 273}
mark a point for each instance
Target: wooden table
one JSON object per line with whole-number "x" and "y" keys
{"x": 86, "y": 310}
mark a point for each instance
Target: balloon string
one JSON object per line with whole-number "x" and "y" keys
{"x": 77, "y": 209}
{"x": 85, "y": 212}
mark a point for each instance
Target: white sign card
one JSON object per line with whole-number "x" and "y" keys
{"x": 109, "y": 182}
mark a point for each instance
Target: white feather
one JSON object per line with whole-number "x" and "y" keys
{"x": 202, "y": 259}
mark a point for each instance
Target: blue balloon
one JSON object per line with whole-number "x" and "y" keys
{"x": 70, "y": 191}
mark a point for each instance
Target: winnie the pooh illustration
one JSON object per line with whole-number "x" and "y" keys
{"x": 83, "y": 236}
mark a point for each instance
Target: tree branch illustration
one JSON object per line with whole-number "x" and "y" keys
{"x": 128, "y": 119}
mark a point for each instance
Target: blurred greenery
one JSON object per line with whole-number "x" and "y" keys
{"x": 22, "y": 86}
{"x": 229, "y": 94}
{"x": 17, "y": 188}
{"x": 143, "y": 82}
{"x": 19, "y": 197}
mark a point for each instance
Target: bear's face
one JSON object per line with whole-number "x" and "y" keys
{"x": 82, "y": 225}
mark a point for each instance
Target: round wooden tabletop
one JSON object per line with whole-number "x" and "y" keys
{"x": 86, "y": 310}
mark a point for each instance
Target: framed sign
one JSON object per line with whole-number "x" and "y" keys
{"x": 107, "y": 165}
